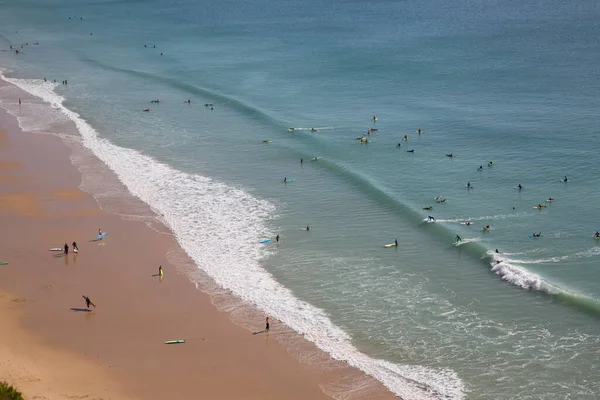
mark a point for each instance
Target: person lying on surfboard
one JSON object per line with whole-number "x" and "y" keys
{"x": 537, "y": 234}
{"x": 428, "y": 208}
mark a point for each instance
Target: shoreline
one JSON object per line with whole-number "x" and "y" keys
{"x": 137, "y": 312}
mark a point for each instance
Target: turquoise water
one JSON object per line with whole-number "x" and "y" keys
{"x": 510, "y": 82}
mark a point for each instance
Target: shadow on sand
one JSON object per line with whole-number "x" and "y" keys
{"x": 80, "y": 309}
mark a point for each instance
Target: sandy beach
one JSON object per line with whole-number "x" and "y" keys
{"x": 51, "y": 347}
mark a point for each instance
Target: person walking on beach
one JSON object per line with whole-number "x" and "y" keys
{"x": 88, "y": 302}
{"x": 66, "y": 249}
{"x": 267, "y": 327}
{"x": 75, "y": 248}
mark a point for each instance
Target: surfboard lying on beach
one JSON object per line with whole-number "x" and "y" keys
{"x": 175, "y": 341}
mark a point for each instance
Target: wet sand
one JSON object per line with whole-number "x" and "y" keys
{"x": 117, "y": 350}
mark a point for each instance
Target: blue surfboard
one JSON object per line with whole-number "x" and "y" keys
{"x": 101, "y": 236}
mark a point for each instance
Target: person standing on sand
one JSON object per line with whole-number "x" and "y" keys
{"x": 160, "y": 271}
{"x": 66, "y": 249}
{"x": 267, "y": 327}
{"x": 99, "y": 232}
{"x": 88, "y": 302}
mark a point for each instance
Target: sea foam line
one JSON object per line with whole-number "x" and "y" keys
{"x": 218, "y": 227}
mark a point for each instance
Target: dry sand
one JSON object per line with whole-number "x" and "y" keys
{"x": 51, "y": 348}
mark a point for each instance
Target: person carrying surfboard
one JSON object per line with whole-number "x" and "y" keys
{"x": 160, "y": 270}
{"x": 88, "y": 302}
{"x": 75, "y": 248}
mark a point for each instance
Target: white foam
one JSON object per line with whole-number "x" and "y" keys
{"x": 219, "y": 226}
{"x": 484, "y": 218}
{"x": 517, "y": 275}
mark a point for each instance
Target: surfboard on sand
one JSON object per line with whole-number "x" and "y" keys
{"x": 175, "y": 341}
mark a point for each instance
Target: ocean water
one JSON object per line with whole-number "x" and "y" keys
{"x": 511, "y": 82}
